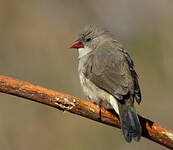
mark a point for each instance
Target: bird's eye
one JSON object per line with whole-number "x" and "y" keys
{"x": 88, "y": 39}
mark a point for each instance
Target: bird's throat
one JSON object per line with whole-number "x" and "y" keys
{"x": 83, "y": 51}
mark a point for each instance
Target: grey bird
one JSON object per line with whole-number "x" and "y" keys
{"x": 108, "y": 77}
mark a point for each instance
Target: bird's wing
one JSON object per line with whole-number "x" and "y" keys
{"x": 137, "y": 90}
{"x": 109, "y": 69}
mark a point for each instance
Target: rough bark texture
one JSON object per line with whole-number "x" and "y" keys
{"x": 151, "y": 130}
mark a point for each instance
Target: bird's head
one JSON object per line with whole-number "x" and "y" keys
{"x": 88, "y": 39}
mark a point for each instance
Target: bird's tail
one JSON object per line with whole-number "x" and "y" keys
{"x": 129, "y": 121}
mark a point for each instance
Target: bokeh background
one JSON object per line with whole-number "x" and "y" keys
{"x": 35, "y": 36}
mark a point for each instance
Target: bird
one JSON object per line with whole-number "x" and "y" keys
{"x": 108, "y": 78}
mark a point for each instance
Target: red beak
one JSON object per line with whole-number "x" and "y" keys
{"x": 77, "y": 44}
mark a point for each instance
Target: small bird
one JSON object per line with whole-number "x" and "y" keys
{"x": 108, "y": 77}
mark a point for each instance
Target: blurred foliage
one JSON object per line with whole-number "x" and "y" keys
{"x": 34, "y": 43}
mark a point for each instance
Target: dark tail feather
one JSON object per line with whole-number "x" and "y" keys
{"x": 129, "y": 122}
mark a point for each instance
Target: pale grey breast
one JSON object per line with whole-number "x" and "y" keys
{"x": 92, "y": 92}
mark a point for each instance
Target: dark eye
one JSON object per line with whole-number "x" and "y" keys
{"x": 88, "y": 39}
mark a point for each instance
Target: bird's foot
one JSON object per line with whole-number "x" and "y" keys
{"x": 99, "y": 112}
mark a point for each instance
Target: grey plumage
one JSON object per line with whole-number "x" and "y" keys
{"x": 108, "y": 77}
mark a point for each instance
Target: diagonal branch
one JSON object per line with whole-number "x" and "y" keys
{"x": 151, "y": 130}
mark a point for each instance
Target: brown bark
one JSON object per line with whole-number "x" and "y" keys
{"x": 151, "y": 130}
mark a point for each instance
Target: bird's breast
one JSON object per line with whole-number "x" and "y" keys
{"x": 92, "y": 92}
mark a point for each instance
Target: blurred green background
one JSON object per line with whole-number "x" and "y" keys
{"x": 35, "y": 36}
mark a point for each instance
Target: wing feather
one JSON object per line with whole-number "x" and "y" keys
{"x": 109, "y": 69}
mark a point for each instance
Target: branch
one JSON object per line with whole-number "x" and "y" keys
{"x": 151, "y": 130}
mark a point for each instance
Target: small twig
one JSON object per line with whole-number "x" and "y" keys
{"x": 151, "y": 130}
